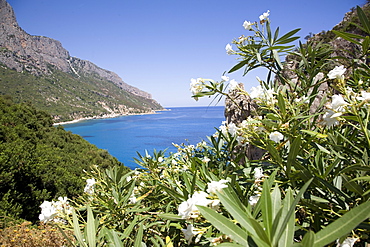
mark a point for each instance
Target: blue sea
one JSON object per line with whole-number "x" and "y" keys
{"x": 124, "y": 136}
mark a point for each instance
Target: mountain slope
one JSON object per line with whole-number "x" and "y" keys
{"x": 40, "y": 70}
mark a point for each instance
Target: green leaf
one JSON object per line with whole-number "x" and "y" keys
{"x": 274, "y": 153}
{"x": 314, "y": 133}
{"x": 91, "y": 228}
{"x": 225, "y": 225}
{"x": 349, "y": 37}
{"x": 343, "y": 225}
{"x": 229, "y": 245}
{"x": 238, "y": 66}
{"x": 367, "y": 178}
{"x": 240, "y": 214}
{"x": 363, "y": 19}
{"x": 139, "y": 236}
{"x": 292, "y": 209}
{"x": 294, "y": 150}
{"x": 308, "y": 239}
{"x": 266, "y": 209}
{"x": 76, "y": 229}
{"x": 365, "y": 44}
{"x": 282, "y": 39}
{"x": 169, "y": 216}
{"x": 281, "y": 104}
{"x": 286, "y": 238}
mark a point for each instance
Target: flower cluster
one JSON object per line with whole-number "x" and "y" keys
{"x": 188, "y": 209}
{"x": 54, "y": 210}
{"x": 90, "y": 184}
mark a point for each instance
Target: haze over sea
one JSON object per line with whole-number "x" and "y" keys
{"x": 124, "y": 136}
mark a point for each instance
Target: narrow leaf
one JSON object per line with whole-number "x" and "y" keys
{"x": 91, "y": 229}
{"x": 343, "y": 225}
{"x": 225, "y": 225}
{"x": 139, "y": 236}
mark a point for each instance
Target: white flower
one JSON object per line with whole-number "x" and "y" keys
{"x": 229, "y": 49}
{"x": 256, "y": 92}
{"x": 160, "y": 159}
{"x": 196, "y": 86}
{"x": 48, "y": 211}
{"x": 89, "y": 188}
{"x": 232, "y": 129}
{"x": 330, "y": 118}
{"x": 276, "y": 136}
{"x": 264, "y": 16}
{"x": 223, "y": 128}
{"x": 225, "y": 78}
{"x": 258, "y": 173}
{"x": 190, "y": 232}
{"x": 188, "y": 209}
{"x": 206, "y": 160}
{"x": 233, "y": 85}
{"x": 248, "y": 25}
{"x": 132, "y": 199}
{"x": 337, "y": 72}
{"x": 253, "y": 200}
{"x": 365, "y": 96}
{"x": 242, "y": 141}
{"x": 214, "y": 186}
{"x": 349, "y": 242}
{"x": 337, "y": 103}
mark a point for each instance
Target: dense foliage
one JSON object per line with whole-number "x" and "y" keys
{"x": 39, "y": 161}
{"x": 310, "y": 186}
{"x": 67, "y": 97}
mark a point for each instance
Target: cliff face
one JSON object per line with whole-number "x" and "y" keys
{"x": 23, "y": 52}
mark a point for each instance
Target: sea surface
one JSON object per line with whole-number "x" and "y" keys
{"x": 124, "y": 136}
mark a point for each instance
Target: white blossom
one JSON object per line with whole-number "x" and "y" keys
{"x": 223, "y": 128}
{"x": 196, "y": 85}
{"x": 206, "y": 160}
{"x": 338, "y": 103}
{"x": 365, "y": 96}
{"x": 48, "y": 211}
{"x": 330, "y": 118}
{"x": 225, "y": 78}
{"x": 51, "y": 210}
{"x": 348, "y": 242}
{"x": 258, "y": 173}
{"x": 214, "y": 186}
{"x": 337, "y": 73}
{"x": 253, "y": 200}
{"x": 232, "y": 129}
{"x": 264, "y": 16}
{"x": 190, "y": 232}
{"x": 233, "y": 85}
{"x": 248, "y": 25}
{"x": 256, "y": 92}
{"x": 229, "y": 49}
{"x": 276, "y": 136}
{"x": 160, "y": 159}
{"x": 90, "y": 184}
{"x": 242, "y": 141}
{"x": 188, "y": 209}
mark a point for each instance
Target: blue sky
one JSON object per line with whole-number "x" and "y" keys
{"x": 159, "y": 45}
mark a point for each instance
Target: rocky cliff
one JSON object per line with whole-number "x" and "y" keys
{"x": 41, "y": 57}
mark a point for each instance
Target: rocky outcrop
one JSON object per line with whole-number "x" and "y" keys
{"x": 21, "y": 51}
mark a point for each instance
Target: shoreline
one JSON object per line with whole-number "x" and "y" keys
{"x": 113, "y": 115}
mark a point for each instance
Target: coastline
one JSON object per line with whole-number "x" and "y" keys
{"x": 113, "y": 115}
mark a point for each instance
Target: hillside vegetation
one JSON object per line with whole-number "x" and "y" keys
{"x": 69, "y": 97}
{"x": 40, "y": 162}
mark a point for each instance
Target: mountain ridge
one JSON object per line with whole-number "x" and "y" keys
{"x": 41, "y": 56}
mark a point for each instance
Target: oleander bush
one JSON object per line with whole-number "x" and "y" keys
{"x": 309, "y": 188}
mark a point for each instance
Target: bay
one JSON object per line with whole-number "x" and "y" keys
{"x": 124, "y": 136}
